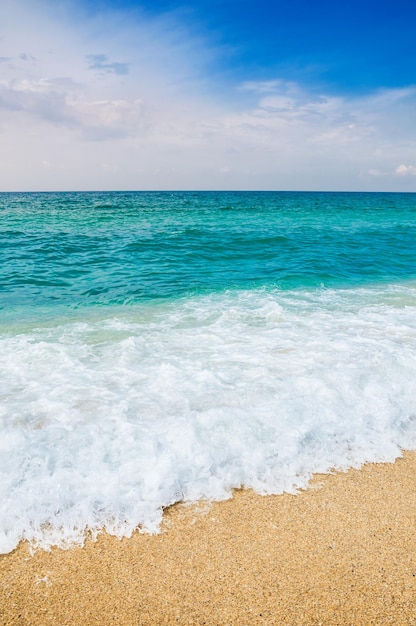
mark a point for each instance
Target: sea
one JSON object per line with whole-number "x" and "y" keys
{"x": 158, "y": 347}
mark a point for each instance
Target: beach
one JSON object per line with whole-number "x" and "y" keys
{"x": 342, "y": 551}
{"x": 162, "y": 352}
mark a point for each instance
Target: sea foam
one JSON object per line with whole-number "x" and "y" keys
{"x": 106, "y": 420}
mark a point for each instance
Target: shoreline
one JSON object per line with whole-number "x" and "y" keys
{"x": 341, "y": 552}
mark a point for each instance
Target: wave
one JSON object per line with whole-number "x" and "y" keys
{"x": 109, "y": 417}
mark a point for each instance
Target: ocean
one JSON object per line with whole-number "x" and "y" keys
{"x": 163, "y": 347}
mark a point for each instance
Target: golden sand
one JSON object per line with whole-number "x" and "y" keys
{"x": 342, "y": 552}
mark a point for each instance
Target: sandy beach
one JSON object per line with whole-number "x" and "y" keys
{"x": 341, "y": 552}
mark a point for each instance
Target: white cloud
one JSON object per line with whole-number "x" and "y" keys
{"x": 406, "y": 170}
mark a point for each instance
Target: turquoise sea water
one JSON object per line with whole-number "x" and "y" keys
{"x": 166, "y": 346}
{"x": 96, "y": 249}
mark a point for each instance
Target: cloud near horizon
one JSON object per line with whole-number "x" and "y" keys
{"x": 112, "y": 102}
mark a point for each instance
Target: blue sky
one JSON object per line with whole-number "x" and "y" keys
{"x": 99, "y": 94}
{"x": 345, "y": 45}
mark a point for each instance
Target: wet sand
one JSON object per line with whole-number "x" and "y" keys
{"x": 342, "y": 552}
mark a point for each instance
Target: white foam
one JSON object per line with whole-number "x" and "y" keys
{"x": 105, "y": 422}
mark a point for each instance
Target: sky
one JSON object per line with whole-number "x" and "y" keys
{"x": 209, "y": 94}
